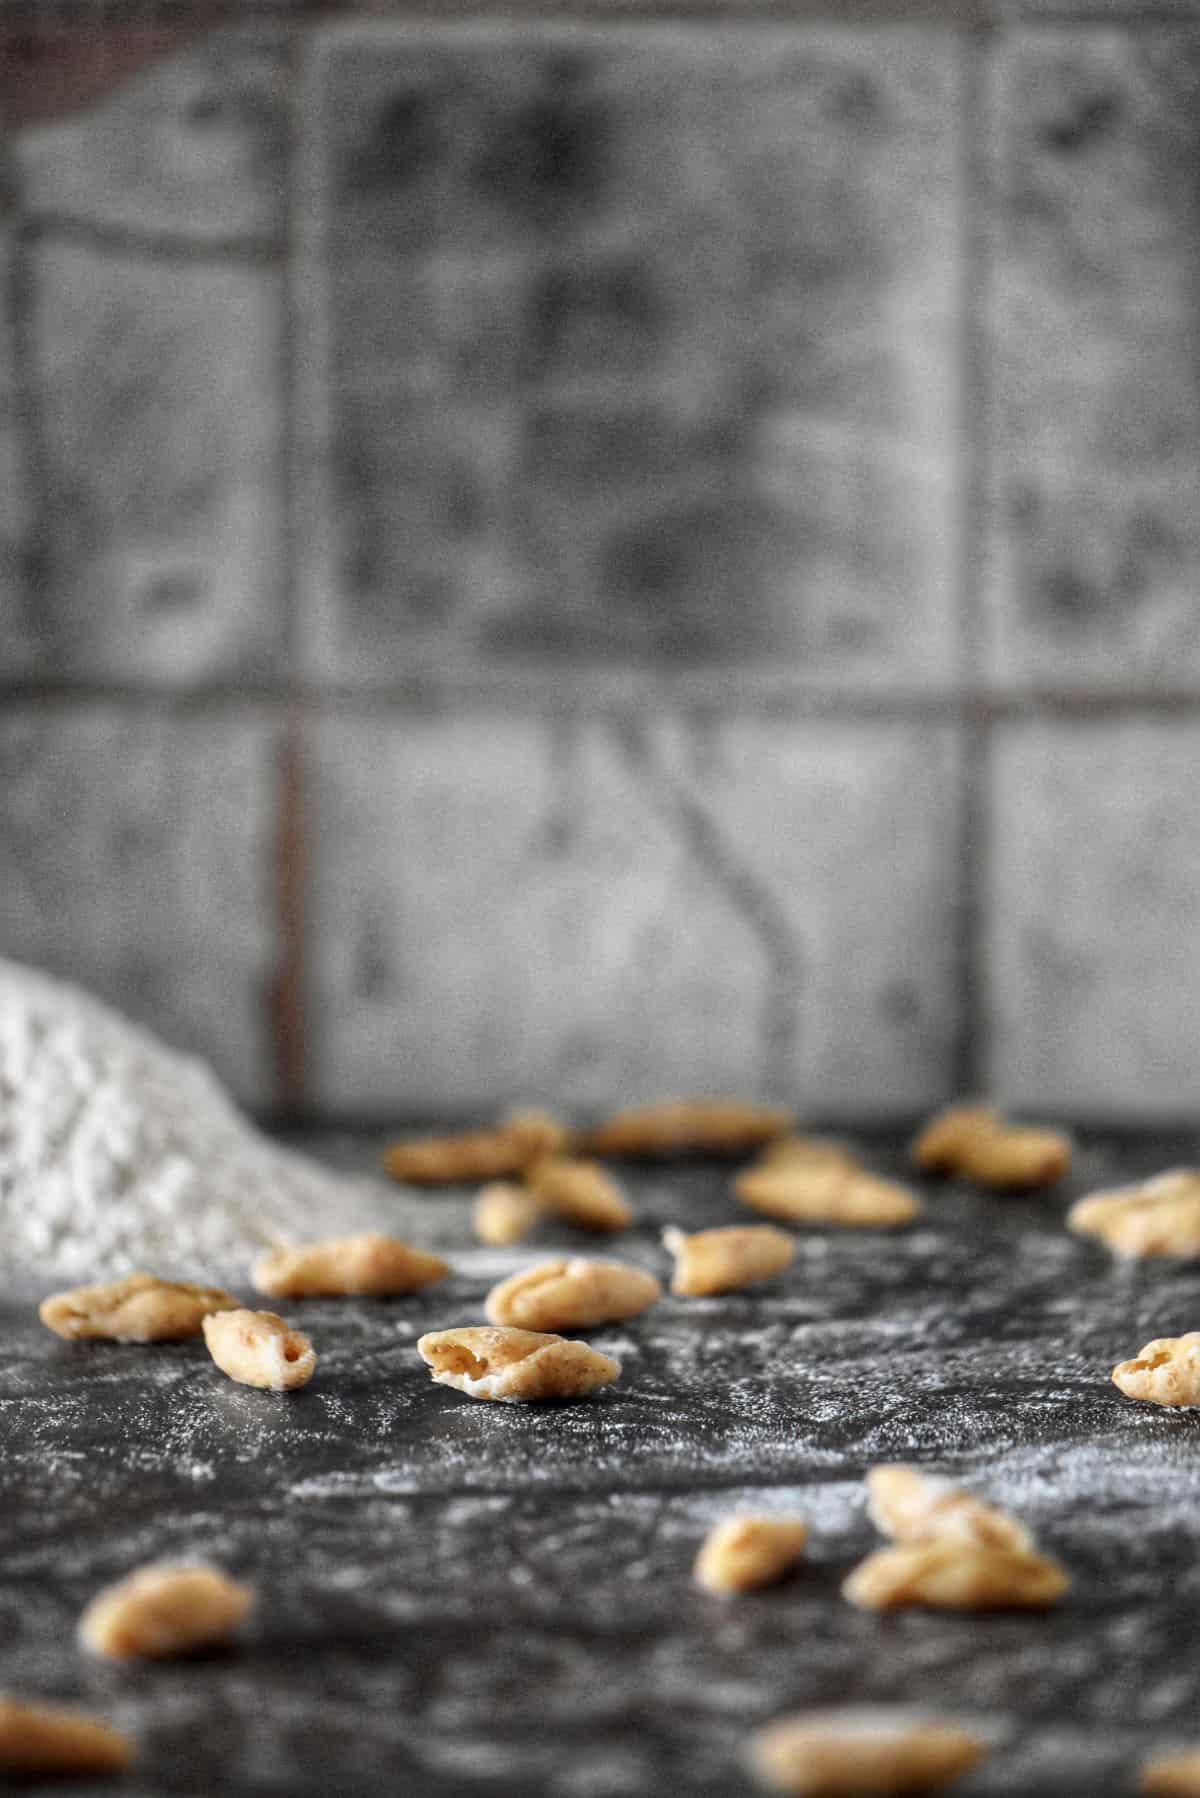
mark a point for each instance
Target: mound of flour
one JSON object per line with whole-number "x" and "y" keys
{"x": 117, "y": 1153}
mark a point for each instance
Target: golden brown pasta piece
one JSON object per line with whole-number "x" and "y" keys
{"x": 257, "y": 1348}
{"x": 370, "y": 1265}
{"x": 1172, "y": 1775}
{"x": 724, "y": 1260}
{"x": 1167, "y": 1372}
{"x": 139, "y": 1308}
{"x": 41, "y": 1741}
{"x": 514, "y": 1366}
{"x": 506, "y": 1213}
{"x": 475, "y": 1155}
{"x": 949, "y": 1574}
{"x": 865, "y": 1752}
{"x": 978, "y": 1143}
{"x": 572, "y": 1295}
{"x": 743, "y": 1554}
{"x": 911, "y": 1506}
{"x": 582, "y": 1193}
{"x": 826, "y": 1192}
{"x": 686, "y": 1127}
{"x": 164, "y": 1609}
{"x": 805, "y": 1151}
{"x": 1156, "y": 1217}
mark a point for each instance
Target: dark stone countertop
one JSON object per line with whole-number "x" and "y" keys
{"x": 464, "y": 1600}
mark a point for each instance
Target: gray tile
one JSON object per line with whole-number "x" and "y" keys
{"x": 193, "y": 145}
{"x": 583, "y": 913}
{"x": 135, "y": 851}
{"x": 1095, "y": 890}
{"x": 1094, "y": 525}
{"x": 633, "y": 348}
{"x": 158, "y": 390}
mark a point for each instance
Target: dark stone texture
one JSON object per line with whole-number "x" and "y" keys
{"x": 463, "y": 1600}
{"x": 737, "y": 248}
{"x": 1095, "y": 533}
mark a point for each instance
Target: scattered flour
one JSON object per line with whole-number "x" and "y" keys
{"x": 116, "y": 1152}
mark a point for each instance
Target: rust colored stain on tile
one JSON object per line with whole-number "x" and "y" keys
{"x": 47, "y": 75}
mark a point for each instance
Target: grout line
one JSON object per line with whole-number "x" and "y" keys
{"x": 313, "y": 371}
{"x": 971, "y": 1057}
{"x": 563, "y": 697}
{"x": 286, "y": 1008}
{"x": 972, "y": 350}
{"x": 289, "y": 369}
{"x": 1119, "y": 17}
{"x": 28, "y": 414}
{"x": 350, "y": 23}
{"x": 46, "y": 19}
{"x": 287, "y": 1012}
{"x": 34, "y": 17}
{"x": 970, "y": 1047}
{"x": 16, "y": 566}
{"x": 310, "y": 1130}
{"x": 172, "y": 247}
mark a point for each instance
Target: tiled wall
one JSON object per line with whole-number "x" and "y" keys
{"x": 563, "y": 561}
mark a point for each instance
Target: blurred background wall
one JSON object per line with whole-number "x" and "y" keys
{"x": 572, "y": 560}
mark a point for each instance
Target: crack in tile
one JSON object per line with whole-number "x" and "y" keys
{"x": 749, "y": 895}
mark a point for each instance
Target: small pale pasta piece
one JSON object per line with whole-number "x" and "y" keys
{"x": 826, "y": 1191}
{"x": 1172, "y": 1775}
{"x": 911, "y": 1506}
{"x": 806, "y": 1151}
{"x": 164, "y": 1609}
{"x": 724, "y": 1260}
{"x": 947, "y": 1141}
{"x": 978, "y": 1143}
{"x": 139, "y": 1308}
{"x": 506, "y": 1213}
{"x": 257, "y": 1348}
{"x": 474, "y": 1155}
{"x": 863, "y": 1753}
{"x": 948, "y": 1574}
{"x": 1167, "y": 1372}
{"x": 744, "y": 1553}
{"x": 572, "y": 1295}
{"x": 514, "y": 1366}
{"x": 349, "y": 1266}
{"x": 1157, "y": 1217}
{"x": 582, "y": 1193}
{"x": 686, "y": 1127}
{"x": 42, "y": 1741}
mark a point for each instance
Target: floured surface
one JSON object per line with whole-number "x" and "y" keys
{"x": 117, "y": 1153}
{"x": 462, "y": 1600}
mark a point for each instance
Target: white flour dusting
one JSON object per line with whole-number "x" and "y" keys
{"x": 116, "y": 1152}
